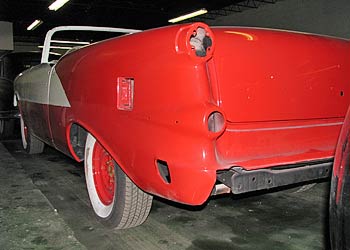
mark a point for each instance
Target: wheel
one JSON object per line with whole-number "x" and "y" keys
{"x": 7, "y": 128}
{"x": 30, "y": 143}
{"x": 115, "y": 199}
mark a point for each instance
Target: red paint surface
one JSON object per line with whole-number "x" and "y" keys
{"x": 284, "y": 96}
{"x": 103, "y": 172}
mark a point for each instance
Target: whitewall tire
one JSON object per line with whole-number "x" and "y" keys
{"x": 115, "y": 199}
{"x": 24, "y": 133}
{"x": 29, "y": 142}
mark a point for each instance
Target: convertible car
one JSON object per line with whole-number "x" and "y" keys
{"x": 188, "y": 111}
{"x": 340, "y": 192}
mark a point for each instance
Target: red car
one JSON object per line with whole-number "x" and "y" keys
{"x": 187, "y": 111}
{"x": 340, "y": 192}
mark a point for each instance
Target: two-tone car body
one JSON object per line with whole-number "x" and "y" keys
{"x": 187, "y": 111}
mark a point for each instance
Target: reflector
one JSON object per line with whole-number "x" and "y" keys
{"x": 125, "y": 93}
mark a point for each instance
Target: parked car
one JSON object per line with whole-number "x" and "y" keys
{"x": 188, "y": 111}
{"x": 11, "y": 64}
{"x": 340, "y": 192}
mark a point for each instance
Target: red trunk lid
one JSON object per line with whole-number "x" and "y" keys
{"x": 267, "y": 75}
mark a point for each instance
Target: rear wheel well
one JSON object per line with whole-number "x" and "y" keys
{"x": 77, "y": 140}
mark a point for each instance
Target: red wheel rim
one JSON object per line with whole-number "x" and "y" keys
{"x": 103, "y": 172}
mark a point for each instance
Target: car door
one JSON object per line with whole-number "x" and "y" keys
{"x": 34, "y": 96}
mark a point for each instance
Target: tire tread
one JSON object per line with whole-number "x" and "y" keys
{"x": 34, "y": 145}
{"x": 137, "y": 206}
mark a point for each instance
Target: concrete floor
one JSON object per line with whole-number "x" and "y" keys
{"x": 44, "y": 205}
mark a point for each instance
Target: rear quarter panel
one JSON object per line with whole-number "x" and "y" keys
{"x": 169, "y": 110}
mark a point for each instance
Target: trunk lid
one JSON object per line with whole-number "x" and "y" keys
{"x": 269, "y": 75}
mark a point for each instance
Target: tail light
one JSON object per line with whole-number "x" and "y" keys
{"x": 196, "y": 40}
{"x": 201, "y": 42}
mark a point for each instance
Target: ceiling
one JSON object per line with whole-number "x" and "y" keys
{"x": 135, "y": 14}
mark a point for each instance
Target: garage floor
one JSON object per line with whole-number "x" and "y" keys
{"x": 44, "y": 205}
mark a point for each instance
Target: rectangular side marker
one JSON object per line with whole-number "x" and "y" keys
{"x": 125, "y": 93}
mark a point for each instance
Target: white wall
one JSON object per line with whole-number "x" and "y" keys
{"x": 26, "y": 46}
{"x": 329, "y": 17}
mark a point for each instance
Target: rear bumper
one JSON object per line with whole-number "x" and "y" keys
{"x": 242, "y": 181}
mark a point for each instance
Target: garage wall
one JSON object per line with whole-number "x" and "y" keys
{"x": 329, "y": 17}
{"x": 6, "y": 36}
{"x": 26, "y": 46}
